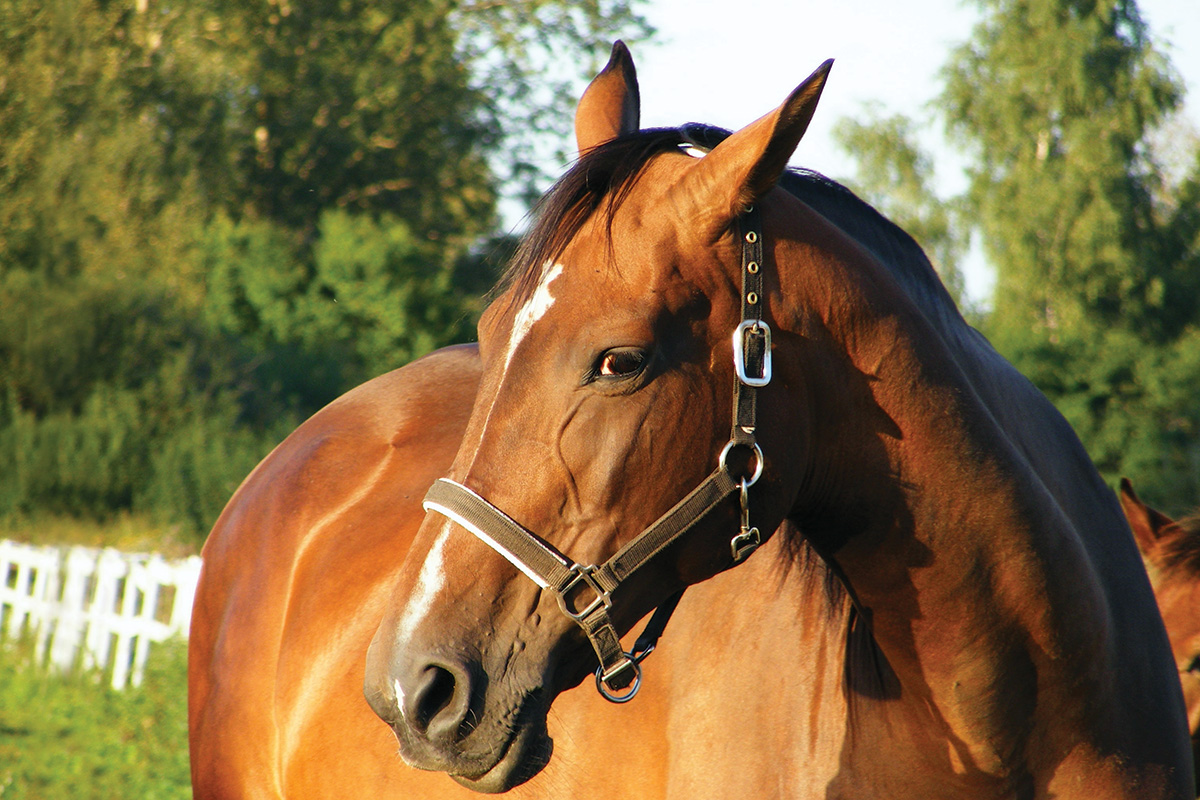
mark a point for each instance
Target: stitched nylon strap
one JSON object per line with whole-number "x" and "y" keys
{"x": 548, "y": 568}
{"x": 671, "y": 525}
{"x": 527, "y": 551}
{"x": 554, "y": 572}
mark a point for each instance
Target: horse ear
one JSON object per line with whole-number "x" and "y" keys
{"x": 611, "y": 105}
{"x": 1148, "y": 525}
{"x": 744, "y": 167}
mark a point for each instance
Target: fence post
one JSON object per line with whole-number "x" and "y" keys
{"x": 70, "y": 621}
{"x": 106, "y": 603}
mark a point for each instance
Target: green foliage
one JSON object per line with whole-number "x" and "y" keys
{"x": 133, "y": 533}
{"x": 896, "y": 176}
{"x": 218, "y": 216}
{"x": 1061, "y": 106}
{"x": 1055, "y": 99}
{"x": 68, "y": 737}
{"x": 1095, "y": 256}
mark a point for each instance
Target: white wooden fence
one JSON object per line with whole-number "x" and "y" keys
{"x": 94, "y": 608}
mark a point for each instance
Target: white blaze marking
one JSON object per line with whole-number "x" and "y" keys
{"x": 533, "y": 310}
{"x": 399, "y": 690}
{"x": 433, "y": 576}
{"x": 429, "y": 583}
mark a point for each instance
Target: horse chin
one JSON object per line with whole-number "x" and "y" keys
{"x": 527, "y": 754}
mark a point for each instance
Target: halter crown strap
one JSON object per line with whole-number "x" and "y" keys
{"x": 572, "y": 582}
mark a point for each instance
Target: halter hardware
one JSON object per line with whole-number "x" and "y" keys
{"x": 741, "y": 343}
{"x": 606, "y": 680}
{"x": 748, "y": 540}
{"x": 619, "y": 675}
{"x": 583, "y": 574}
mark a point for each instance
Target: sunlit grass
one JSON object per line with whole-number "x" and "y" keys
{"x": 73, "y": 736}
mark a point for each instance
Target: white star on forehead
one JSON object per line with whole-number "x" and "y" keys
{"x": 533, "y": 310}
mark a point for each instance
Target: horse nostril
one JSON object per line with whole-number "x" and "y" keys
{"x": 439, "y": 706}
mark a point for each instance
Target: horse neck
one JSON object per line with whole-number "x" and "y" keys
{"x": 916, "y": 486}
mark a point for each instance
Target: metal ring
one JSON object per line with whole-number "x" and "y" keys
{"x": 758, "y": 460}
{"x": 752, "y": 267}
{"x": 752, "y": 298}
{"x": 611, "y": 696}
{"x": 751, "y": 237}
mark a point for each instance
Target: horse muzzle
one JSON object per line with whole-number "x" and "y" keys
{"x": 445, "y": 721}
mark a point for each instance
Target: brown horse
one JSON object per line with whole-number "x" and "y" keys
{"x": 297, "y": 573}
{"x": 1171, "y": 550}
{"x": 996, "y": 636}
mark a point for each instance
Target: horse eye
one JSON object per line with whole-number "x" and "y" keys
{"x": 623, "y": 363}
{"x": 1194, "y": 665}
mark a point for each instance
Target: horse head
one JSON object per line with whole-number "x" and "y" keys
{"x": 1171, "y": 550}
{"x": 598, "y": 475}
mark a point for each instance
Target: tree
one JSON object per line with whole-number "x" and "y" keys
{"x": 218, "y": 215}
{"x": 896, "y": 176}
{"x": 1055, "y": 102}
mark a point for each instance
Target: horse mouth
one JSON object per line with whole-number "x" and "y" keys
{"x": 525, "y": 753}
{"x": 494, "y": 757}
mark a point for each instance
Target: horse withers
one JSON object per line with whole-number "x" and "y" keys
{"x": 708, "y": 372}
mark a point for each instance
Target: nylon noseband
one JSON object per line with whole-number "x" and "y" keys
{"x": 584, "y": 592}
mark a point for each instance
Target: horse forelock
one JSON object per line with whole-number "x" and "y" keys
{"x": 600, "y": 180}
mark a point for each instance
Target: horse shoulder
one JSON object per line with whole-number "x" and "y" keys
{"x": 306, "y": 547}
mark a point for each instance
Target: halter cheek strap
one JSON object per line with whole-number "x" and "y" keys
{"x": 584, "y": 592}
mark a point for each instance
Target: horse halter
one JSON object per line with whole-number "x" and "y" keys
{"x": 584, "y": 591}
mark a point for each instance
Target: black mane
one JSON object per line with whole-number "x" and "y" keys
{"x": 605, "y": 175}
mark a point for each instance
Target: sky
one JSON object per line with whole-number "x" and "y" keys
{"x": 728, "y": 62}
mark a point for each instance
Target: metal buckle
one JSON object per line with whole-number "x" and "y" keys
{"x": 583, "y": 574}
{"x": 756, "y": 327}
{"x": 602, "y": 679}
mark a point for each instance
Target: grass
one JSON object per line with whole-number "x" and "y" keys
{"x": 128, "y": 532}
{"x": 73, "y": 736}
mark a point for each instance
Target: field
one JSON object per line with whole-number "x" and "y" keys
{"x": 73, "y": 736}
